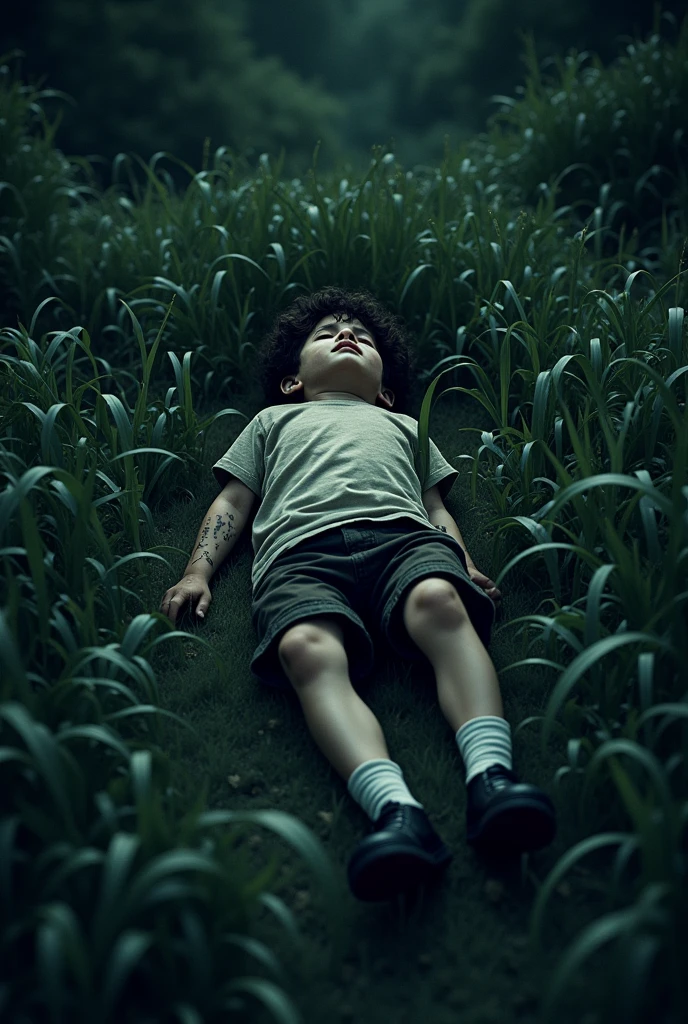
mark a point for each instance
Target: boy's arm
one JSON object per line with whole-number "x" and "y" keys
{"x": 218, "y": 533}
{"x": 442, "y": 520}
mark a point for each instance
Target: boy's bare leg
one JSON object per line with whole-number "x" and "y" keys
{"x": 467, "y": 683}
{"x": 313, "y": 656}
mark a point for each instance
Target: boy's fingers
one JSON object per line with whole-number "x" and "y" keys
{"x": 171, "y": 608}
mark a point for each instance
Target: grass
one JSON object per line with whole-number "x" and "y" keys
{"x": 166, "y": 822}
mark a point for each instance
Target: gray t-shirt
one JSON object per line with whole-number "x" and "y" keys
{"x": 321, "y": 464}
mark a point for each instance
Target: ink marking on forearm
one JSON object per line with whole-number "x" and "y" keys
{"x": 219, "y": 525}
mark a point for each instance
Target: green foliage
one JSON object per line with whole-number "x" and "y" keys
{"x": 475, "y": 48}
{"x": 614, "y": 140}
{"x": 163, "y": 75}
{"x": 567, "y": 328}
{"x": 151, "y": 76}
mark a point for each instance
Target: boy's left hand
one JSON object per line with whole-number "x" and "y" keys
{"x": 485, "y": 582}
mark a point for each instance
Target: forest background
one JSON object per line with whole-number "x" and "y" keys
{"x": 543, "y": 262}
{"x": 164, "y": 75}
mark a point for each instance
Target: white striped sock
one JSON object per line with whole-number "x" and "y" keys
{"x": 483, "y": 741}
{"x": 374, "y": 783}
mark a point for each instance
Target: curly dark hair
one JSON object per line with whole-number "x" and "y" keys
{"x": 280, "y": 349}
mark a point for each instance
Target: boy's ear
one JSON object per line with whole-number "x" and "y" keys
{"x": 386, "y": 396}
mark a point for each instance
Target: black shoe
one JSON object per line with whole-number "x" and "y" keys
{"x": 402, "y": 852}
{"x": 505, "y": 815}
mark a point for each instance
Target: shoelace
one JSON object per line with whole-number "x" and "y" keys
{"x": 496, "y": 778}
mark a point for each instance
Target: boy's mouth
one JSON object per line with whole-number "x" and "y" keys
{"x": 347, "y": 344}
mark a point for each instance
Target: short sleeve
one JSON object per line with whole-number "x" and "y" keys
{"x": 245, "y": 458}
{"x": 440, "y": 472}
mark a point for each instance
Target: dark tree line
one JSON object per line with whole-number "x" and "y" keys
{"x": 151, "y": 75}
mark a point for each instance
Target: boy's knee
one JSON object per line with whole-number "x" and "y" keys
{"x": 311, "y": 645}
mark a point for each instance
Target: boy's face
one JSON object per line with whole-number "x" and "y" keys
{"x": 327, "y": 371}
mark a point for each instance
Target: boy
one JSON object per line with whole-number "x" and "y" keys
{"x": 353, "y": 544}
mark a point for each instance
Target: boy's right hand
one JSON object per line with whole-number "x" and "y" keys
{"x": 193, "y": 589}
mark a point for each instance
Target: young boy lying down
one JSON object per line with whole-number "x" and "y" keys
{"x": 351, "y": 546}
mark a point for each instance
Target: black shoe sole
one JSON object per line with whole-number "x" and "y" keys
{"x": 383, "y": 872}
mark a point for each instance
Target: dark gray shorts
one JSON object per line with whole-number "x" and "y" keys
{"x": 360, "y": 575}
